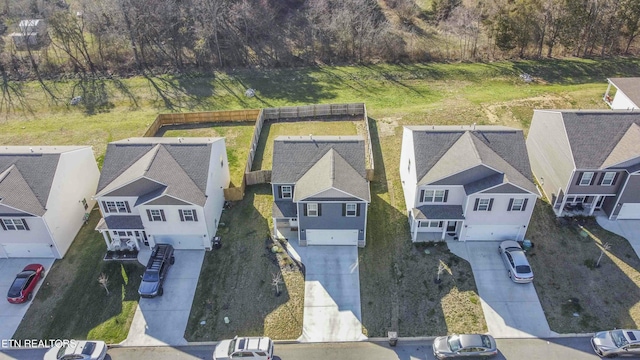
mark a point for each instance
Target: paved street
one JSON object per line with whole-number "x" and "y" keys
{"x": 510, "y": 349}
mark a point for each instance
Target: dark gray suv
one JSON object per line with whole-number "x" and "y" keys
{"x": 159, "y": 262}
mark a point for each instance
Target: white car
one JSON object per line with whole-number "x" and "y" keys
{"x": 258, "y": 348}
{"x": 614, "y": 343}
{"x": 516, "y": 262}
{"x": 78, "y": 350}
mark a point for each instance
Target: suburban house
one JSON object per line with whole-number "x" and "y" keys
{"x": 45, "y": 198}
{"x": 162, "y": 191}
{"x": 320, "y": 189}
{"x": 626, "y": 95}
{"x": 466, "y": 182}
{"x": 588, "y": 161}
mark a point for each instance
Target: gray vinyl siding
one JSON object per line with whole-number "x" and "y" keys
{"x": 549, "y": 152}
{"x": 331, "y": 218}
{"x": 608, "y": 204}
{"x": 275, "y": 189}
{"x": 631, "y": 192}
{"x": 595, "y": 188}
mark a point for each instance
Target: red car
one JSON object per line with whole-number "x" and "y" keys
{"x": 22, "y": 288}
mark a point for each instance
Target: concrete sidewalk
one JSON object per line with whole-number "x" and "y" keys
{"x": 332, "y": 293}
{"x": 511, "y": 310}
{"x": 628, "y": 229}
{"x": 163, "y": 320}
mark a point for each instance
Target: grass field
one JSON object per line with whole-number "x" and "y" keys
{"x": 395, "y": 95}
{"x": 71, "y": 304}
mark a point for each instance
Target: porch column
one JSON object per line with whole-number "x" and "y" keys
{"x": 416, "y": 225}
{"x": 606, "y": 94}
{"x": 593, "y": 205}
{"x": 444, "y": 228}
{"x": 106, "y": 239}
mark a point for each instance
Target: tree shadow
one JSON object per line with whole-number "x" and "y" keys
{"x": 579, "y": 71}
{"x": 96, "y": 94}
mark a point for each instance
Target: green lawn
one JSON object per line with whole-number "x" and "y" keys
{"x": 71, "y": 304}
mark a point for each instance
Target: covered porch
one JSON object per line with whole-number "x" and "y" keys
{"x": 285, "y": 219}
{"x": 123, "y": 235}
{"x": 579, "y": 205}
{"x": 436, "y": 222}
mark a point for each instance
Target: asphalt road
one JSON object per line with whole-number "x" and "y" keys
{"x": 511, "y": 349}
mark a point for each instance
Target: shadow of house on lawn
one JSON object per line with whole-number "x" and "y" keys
{"x": 236, "y": 280}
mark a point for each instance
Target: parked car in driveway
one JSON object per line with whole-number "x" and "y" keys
{"x": 77, "y": 350}
{"x": 156, "y": 271}
{"x": 259, "y": 348}
{"x": 516, "y": 262}
{"x": 459, "y": 346}
{"x": 616, "y": 343}
{"x": 22, "y": 288}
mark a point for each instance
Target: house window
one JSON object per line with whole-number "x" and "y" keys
{"x": 516, "y": 205}
{"x": 431, "y": 224}
{"x": 14, "y": 224}
{"x": 586, "y": 178}
{"x": 607, "y": 179}
{"x": 483, "y": 205}
{"x": 156, "y": 215}
{"x": 84, "y": 204}
{"x": 111, "y": 206}
{"x": 286, "y": 191}
{"x": 351, "y": 210}
{"x": 116, "y": 206}
{"x": 434, "y": 196}
{"x": 122, "y": 207}
{"x": 312, "y": 209}
{"x": 575, "y": 199}
{"x": 188, "y": 215}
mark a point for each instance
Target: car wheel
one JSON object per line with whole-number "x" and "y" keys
{"x": 173, "y": 260}
{"x": 160, "y": 291}
{"x": 612, "y": 356}
{"x": 30, "y": 296}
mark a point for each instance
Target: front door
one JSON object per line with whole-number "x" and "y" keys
{"x": 451, "y": 226}
{"x": 600, "y": 202}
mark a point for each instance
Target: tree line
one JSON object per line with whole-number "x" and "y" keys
{"x": 133, "y": 36}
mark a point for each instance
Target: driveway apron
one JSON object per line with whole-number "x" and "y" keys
{"x": 511, "y": 310}
{"x": 332, "y": 294}
{"x": 163, "y": 320}
{"x": 11, "y": 314}
{"x": 628, "y": 229}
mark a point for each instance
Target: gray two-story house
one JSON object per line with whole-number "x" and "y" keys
{"x": 320, "y": 190}
{"x": 588, "y": 161}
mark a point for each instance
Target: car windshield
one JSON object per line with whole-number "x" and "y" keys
{"x": 486, "y": 342}
{"x": 17, "y": 286}
{"x": 523, "y": 269}
{"x": 232, "y": 346}
{"x": 150, "y": 276}
{"x": 618, "y": 338}
{"x": 61, "y": 352}
{"x": 454, "y": 343}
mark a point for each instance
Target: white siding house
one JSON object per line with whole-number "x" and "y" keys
{"x": 162, "y": 191}
{"x": 45, "y": 196}
{"x": 626, "y": 95}
{"x": 466, "y": 183}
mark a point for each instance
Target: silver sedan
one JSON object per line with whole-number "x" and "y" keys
{"x": 616, "y": 343}
{"x": 459, "y": 346}
{"x": 516, "y": 262}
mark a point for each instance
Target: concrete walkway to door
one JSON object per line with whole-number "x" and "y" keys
{"x": 628, "y": 229}
{"x": 331, "y": 293}
{"x": 511, "y": 310}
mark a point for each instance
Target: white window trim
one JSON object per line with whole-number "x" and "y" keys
{"x": 14, "y": 224}
{"x": 155, "y": 215}
{"x": 187, "y": 215}
{"x": 353, "y": 211}
{"x": 481, "y": 204}
{"x": 515, "y": 206}
{"x": 608, "y": 182}
{"x": 588, "y": 179}
{"x": 312, "y": 209}
{"x": 289, "y": 191}
{"x": 116, "y": 207}
{"x": 434, "y": 195}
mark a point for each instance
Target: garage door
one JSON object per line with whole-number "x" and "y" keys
{"x": 28, "y": 250}
{"x": 629, "y": 211}
{"x": 186, "y": 242}
{"x": 492, "y": 232}
{"x": 332, "y": 237}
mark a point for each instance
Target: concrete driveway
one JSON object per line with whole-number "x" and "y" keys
{"x": 628, "y": 229}
{"x": 11, "y": 314}
{"x": 511, "y": 310}
{"x": 331, "y": 293}
{"x": 162, "y": 320}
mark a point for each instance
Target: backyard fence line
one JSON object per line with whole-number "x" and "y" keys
{"x": 258, "y": 177}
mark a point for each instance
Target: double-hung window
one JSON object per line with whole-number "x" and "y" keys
{"x": 116, "y": 206}
{"x": 351, "y": 210}
{"x": 434, "y": 196}
{"x": 483, "y": 205}
{"x": 312, "y": 209}
{"x": 188, "y": 215}
{"x": 156, "y": 215}
{"x": 607, "y": 179}
{"x": 286, "y": 191}
{"x": 14, "y": 224}
{"x": 586, "y": 178}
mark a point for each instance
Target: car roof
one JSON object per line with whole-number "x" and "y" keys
{"x": 470, "y": 340}
{"x": 252, "y": 343}
{"x": 518, "y": 257}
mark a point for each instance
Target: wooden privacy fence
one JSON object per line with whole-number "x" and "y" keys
{"x": 297, "y": 112}
{"x": 200, "y": 117}
{"x": 258, "y": 177}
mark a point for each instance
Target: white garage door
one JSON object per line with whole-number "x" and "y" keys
{"x": 186, "y": 242}
{"x": 492, "y": 232}
{"x": 28, "y": 250}
{"x": 332, "y": 237}
{"x": 629, "y": 211}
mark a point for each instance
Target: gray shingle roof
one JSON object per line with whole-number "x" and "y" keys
{"x": 25, "y": 180}
{"x": 442, "y": 151}
{"x": 630, "y": 87}
{"x": 601, "y": 138}
{"x": 319, "y": 163}
{"x": 124, "y": 222}
{"x": 181, "y": 166}
{"x": 438, "y": 212}
{"x": 286, "y": 209}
